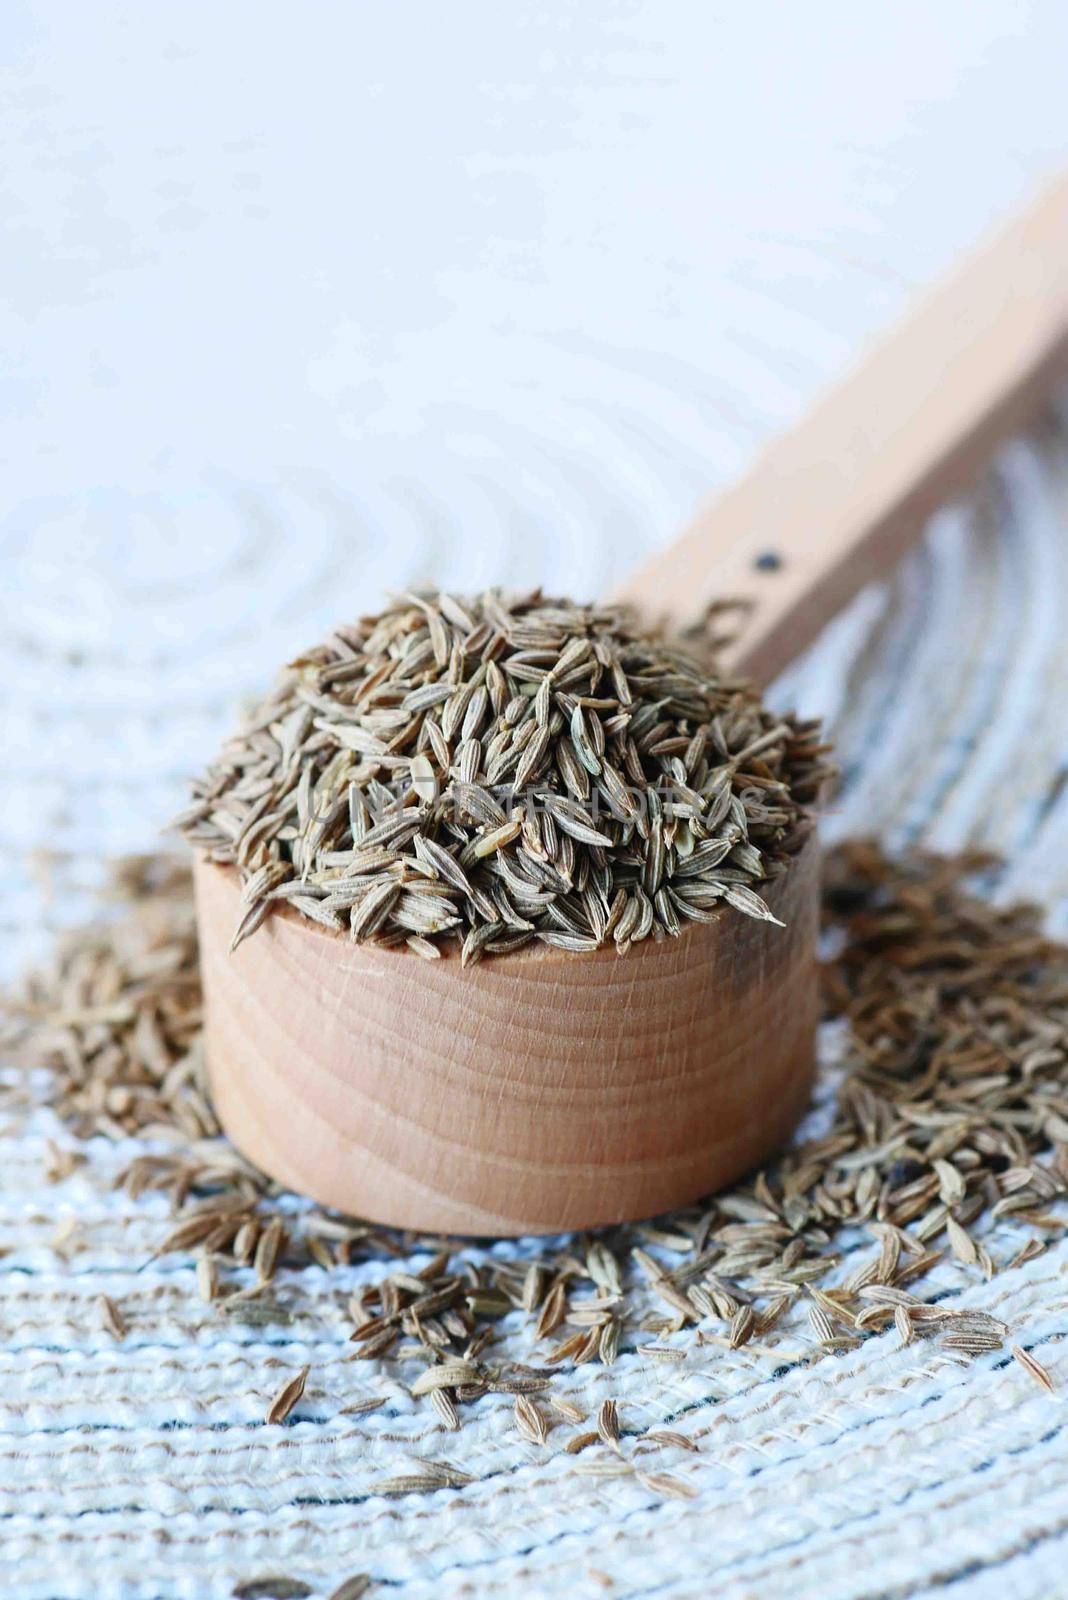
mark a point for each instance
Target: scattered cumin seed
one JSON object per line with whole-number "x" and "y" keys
{"x": 664, "y": 1484}
{"x": 448, "y": 1375}
{"x": 272, "y": 1587}
{"x": 445, "y": 1406}
{"x": 207, "y": 1278}
{"x": 601, "y": 1467}
{"x": 268, "y": 1249}
{"x": 608, "y": 1424}
{"x": 961, "y": 1241}
{"x": 410, "y": 1483}
{"x": 361, "y": 1408}
{"x": 742, "y": 1325}
{"x": 972, "y": 1342}
{"x": 1032, "y": 1366}
{"x": 529, "y": 1422}
{"x": 112, "y": 1317}
{"x": 287, "y": 1397}
{"x": 820, "y": 1324}
{"x": 566, "y": 1409}
{"x": 579, "y": 1441}
{"x": 662, "y": 1352}
{"x": 903, "y": 1323}
{"x": 352, "y": 1588}
{"x": 434, "y": 1475}
{"x": 674, "y": 1441}
{"x": 1027, "y": 1252}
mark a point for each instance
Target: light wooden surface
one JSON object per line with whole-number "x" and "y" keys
{"x": 530, "y": 1093}
{"x": 834, "y": 503}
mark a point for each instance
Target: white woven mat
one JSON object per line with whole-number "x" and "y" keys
{"x": 298, "y": 306}
{"x": 146, "y": 1469}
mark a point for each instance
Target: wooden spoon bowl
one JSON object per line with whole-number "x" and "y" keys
{"x": 546, "y": 1090}
{"x": 527, "y": 1094}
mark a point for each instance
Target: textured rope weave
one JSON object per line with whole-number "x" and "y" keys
{"x": 144, "y": 1469}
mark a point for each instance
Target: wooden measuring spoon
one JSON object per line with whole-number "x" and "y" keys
{"x": 546, "y": 1090}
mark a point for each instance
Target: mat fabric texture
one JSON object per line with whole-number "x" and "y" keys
{"x": 145, "y": 1469}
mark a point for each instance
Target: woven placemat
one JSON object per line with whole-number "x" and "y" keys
{"x": 145, "y": 1469}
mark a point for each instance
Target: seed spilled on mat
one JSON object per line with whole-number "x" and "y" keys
{"x": 951, "y": 1118}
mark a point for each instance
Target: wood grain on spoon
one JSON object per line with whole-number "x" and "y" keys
{"x": 834, "y": 503}
{"x": 529, "y": 1093}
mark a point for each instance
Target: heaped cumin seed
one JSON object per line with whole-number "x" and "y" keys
{"x": 475, "y": 775}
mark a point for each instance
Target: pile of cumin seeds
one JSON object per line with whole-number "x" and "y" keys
{"x": 947, "y": 1139}
{"x": 483, "y": 773}
{"x": 115, "y": 1015}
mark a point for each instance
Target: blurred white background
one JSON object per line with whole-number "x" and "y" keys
{"x": 298, "y": 303}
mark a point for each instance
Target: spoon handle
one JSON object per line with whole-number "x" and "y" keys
{"x": 832, "y": 504}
